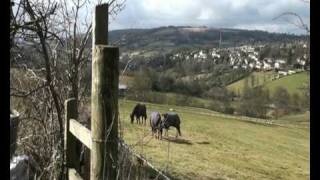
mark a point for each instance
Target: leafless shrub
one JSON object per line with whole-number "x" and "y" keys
{"x": 58, "y": 37}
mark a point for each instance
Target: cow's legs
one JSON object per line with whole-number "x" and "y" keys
{"x": 178, "y": 132}
{"x": 159, "y": 135}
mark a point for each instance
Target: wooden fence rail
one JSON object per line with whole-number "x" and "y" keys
{"x": 80, "y": 132}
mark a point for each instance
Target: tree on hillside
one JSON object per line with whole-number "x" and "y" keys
{"x": 281, "y": 100}
{"x": 306, "y": 95}
{"x": 296, "y": 102}
{"x": 141, "y": 81}
{"x": 254, "y": 102}
{"x": 281, "y": 97}
{"x": 290, "y": 57}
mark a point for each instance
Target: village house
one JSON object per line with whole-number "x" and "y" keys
{"x": 202, "y": 55}
{"x": 122, "y": 89}
{"x": 266, "y": 66}
{"x": 291, "y": 72}
{"x": 283, "y": 73}
{"x": 251, "y": 65}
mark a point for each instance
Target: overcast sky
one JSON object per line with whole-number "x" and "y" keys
{"x": 243, "y": 14}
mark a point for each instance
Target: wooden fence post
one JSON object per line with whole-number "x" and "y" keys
{"x": 104, "y": 100}
{"x": 100, "y": 25}
{"x": 14, "y": 122}
{"x": 104, "y": 114}
{"x": 70, "y": 142}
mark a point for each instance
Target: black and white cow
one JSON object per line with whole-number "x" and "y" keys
{"x": 170, "y": 119}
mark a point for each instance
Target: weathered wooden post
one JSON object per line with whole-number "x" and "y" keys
{"x": 14, "y": 122}
{"x": 70, "y": 147}
{"x": 104, "y": 101}
{"x": 100, "y": 25}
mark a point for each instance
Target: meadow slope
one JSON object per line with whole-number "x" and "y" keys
{"x": 292, "y": 83}
{"x": 218, "y": 148}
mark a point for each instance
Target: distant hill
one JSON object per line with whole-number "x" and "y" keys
{"x": 186, "y": 36}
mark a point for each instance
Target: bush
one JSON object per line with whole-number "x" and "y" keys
{"x": 229, "y": 110}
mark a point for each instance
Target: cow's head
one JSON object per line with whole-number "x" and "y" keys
{"x": 165, "y": 115}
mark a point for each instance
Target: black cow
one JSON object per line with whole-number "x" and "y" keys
{"x": 155, "y": 121}
{"x": 139, "y": 110}
{"x": 170, "y": 119}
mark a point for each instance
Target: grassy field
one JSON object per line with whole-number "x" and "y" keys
{"x": 292, "y": 83}
{"x": 259, "y": 79}
{"x": 218, "y": 148}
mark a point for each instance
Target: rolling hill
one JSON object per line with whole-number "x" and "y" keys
{"x": 172, "y": 37}
{"x": 259, "y": 78}
{"x": 292, "y": 83}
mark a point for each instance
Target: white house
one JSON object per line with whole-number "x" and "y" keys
{"x": 266, "y": 66}
{"x": 301, "y": 62}
{"x": 251, "y": 65}
{"x": 269, "y": 60}
{"x": 281, "y": 61}
{"x": 195, "y": 56}
{"x": 244, "y": 66}
{"x": 214, "y": 54}
{"x": 291, "y": 72}
{"x": 202, "y": 55}
{"x": 282, "y": 73}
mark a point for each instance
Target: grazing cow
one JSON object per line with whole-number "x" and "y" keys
{"x": 155, "y": 120}
{"x": 139, "y": 110}
{"x": 170, "y": 119}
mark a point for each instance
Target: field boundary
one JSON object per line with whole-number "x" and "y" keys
{"x": 270, "y": 122}
{"x": 250, "y": 119}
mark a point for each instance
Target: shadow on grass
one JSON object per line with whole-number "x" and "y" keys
{"x": 262, "y": 124}
{"x": 177, "y": 140}
{"x": 203, "y": 142}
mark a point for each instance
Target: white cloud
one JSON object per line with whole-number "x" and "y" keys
{"x": 212, "y": 13}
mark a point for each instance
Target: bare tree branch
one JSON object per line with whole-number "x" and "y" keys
{"x": 300, "y": 24}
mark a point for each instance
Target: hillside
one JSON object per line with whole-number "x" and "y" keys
{"x": 172, "y": 37}
{"x": 292, "y": 83}
{"x": 218, "y": 148}
{"x": 255, "y": 79}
